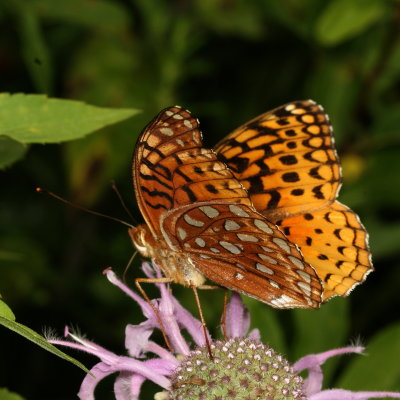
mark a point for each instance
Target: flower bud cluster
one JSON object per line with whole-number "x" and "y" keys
{"x": 240, "y": 369}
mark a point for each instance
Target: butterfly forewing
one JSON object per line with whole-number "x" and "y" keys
{"x": 238, "y": 248}
{"x": 286, "y": 159}
{"x": 171, "y": 168}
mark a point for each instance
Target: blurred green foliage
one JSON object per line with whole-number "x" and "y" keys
{"x": 227, "y": 61}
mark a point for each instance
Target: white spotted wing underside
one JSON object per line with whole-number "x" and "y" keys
{"x": 193, "y": 204}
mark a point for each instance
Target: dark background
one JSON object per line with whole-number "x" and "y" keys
{"x": 226, "y": 61}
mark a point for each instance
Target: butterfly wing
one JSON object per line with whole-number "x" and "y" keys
{"x": 171, "y": 168}
{"x": 287, "y": 160}
{"x": 180, "y": 186}
{"x": 236, "y": 247}
{"x": 335, "y": 243}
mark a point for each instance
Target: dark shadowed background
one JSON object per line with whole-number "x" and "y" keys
{"x": 226, "y": 61}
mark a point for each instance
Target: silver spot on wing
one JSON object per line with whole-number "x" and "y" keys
{"x": 238, "y": 211}
{"x": 211, "y": 212}
{"x": 246, "y": 238}
{"x": 282, "y": 244}
{"x": 230, "y": 225}
{"x": 192, "y": 221}
{"x": 182, "y": 233}
{"x": 274, "y": 284}
{"x": 265, "y": 269}
{"x": 200, "y": 242}
{"x": 298, "y": 263}
{"x": 188, "y": 124}
{"x": 304, "y": 275}
{"x": 230, "y": 247}
{"x": 305, "y": 287}
{"x": 167, "y": 131}
{"x": 263, "y": 226}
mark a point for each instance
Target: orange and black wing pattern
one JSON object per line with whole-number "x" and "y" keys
{"x": 287, "y": 161}
{"x": 171, "y": 168}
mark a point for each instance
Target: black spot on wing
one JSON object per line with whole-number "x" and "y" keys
{"x": 290, "y": 177}
{"x": 297, "y": 192}
{"x": 288, "y": 160}
{"x": 317, "y": 192}
{"x": 211, "y": 188}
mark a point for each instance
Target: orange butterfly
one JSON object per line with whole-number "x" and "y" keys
{"x": 211, "y": 219}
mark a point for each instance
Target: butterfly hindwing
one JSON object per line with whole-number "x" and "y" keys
{"x": 236, "y": 247}
{"x": 334, "y": 241}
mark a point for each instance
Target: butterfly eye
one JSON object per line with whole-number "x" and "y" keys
{"x": 138, "y": 236}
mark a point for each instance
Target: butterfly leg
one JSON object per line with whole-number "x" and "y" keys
{"x": 138, "y": 282}
{"x": 223, "y": 317}
{"x": 203, "y": 322}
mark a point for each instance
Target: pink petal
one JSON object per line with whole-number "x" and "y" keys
{"x": 237, "y": 321}
{"x": 146, "y": 308}
{"x": 319, "y": 358}
{"x": 190, "y": 323}
{"x": 162, "y": 353}
{"x": 313, "y": 383}
{"x": 341, "y": 394}
{"x": 127, "y": 386}
{"x": 89, "y": 383}
{"x": 254, "y": 334}
{"x": 170, "y": 322}
{"x": 137, "y": 338}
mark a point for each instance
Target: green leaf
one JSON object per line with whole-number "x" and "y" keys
{"x": 334, "y": 86}
{"x": 320, "y": 330}
{"x": 6, "y": 312}
{"x": 384, "y": 238}
{"x": 39, "y": 340}
{"x": 10, "y": 151}
{"x": 382, "y": 172}
{"x": 38, "y": 119}
{"x": 387, "y": 122}
{"x": 34, "y": 47}
{"x": 296, "y": 15}
{"x": 5, "y": 394}
{"x": 99, "y": 15}
{"x": 241, "y": 18}
{"x": 343, "y": 19}
{"x": 388, "y": 78}
{"x": 379, "y": 369}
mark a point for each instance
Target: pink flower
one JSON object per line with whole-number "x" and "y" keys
{"x": 242, "y": 368}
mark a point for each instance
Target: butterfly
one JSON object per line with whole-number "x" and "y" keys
{"x": 235, "y": 215}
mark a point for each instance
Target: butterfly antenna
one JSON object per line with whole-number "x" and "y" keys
{"x": 41, "y": 190}
{"x": 128, "y": 266}
{"x": 114, "y": 187}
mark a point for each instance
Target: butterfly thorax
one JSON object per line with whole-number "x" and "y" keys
{"x": 176, "y": 265}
